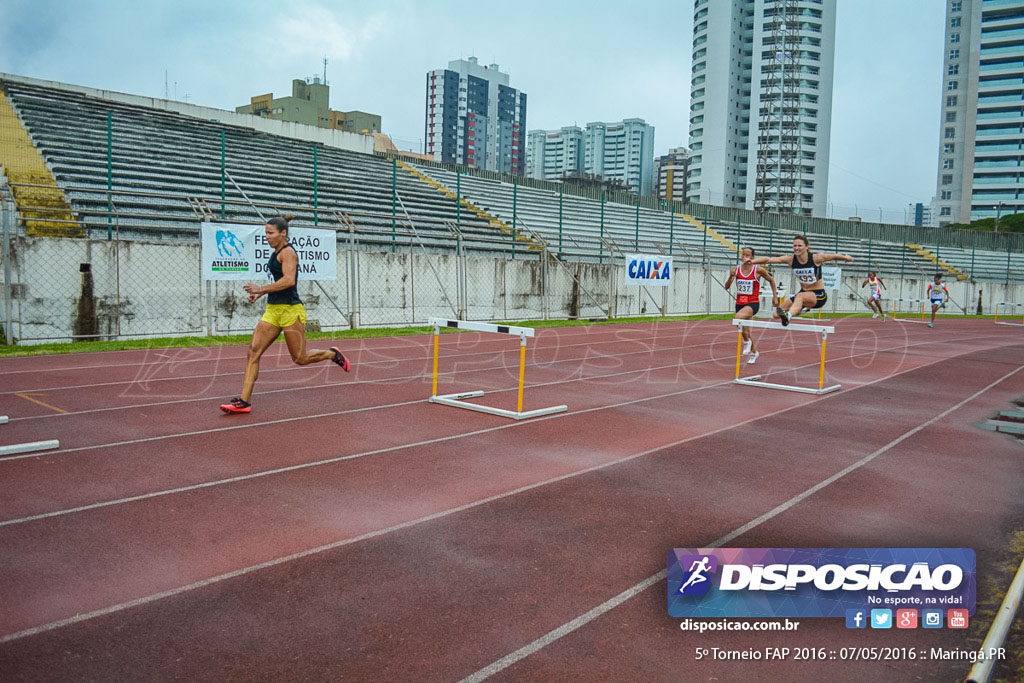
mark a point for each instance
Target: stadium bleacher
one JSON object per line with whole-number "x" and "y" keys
{"x": 161, "y": 162}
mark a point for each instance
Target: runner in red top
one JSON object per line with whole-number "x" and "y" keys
{"x": 748, "y": 295}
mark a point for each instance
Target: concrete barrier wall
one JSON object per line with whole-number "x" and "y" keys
{"x": 143, "y": 289}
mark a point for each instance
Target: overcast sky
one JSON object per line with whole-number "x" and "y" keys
{"x": 577, "y": 62}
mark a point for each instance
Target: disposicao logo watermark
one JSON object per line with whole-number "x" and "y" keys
{"x": 817, "y": 582}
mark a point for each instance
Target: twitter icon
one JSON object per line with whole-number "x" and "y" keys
{"x": 881, "y": 618}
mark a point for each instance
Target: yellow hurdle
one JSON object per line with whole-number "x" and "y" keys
{"x": 755, "y": 380}
{"x": 456, "y": 400}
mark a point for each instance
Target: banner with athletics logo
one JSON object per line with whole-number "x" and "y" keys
{"x": 652, "y": 271}
{"x": 241, "y": 252}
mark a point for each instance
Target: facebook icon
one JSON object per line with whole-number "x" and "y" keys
{"x": 856, "y": 618}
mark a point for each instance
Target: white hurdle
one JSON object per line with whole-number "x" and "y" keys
{"x": 755, "y": 380}
{"x": 456, "y": 400}
{"x": 1008, "y": 304}
{"x": 28, "y": 447}
{"x": 909, "y": 301}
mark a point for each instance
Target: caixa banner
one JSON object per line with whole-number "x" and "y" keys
{"x": 817, "y": 582}
{"x": 644, "y": 269}
{"x": 241, "y": 252}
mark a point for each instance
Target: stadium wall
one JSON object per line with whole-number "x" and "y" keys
{"x": 73, "y": 288}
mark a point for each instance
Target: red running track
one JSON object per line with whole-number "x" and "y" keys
{"x": 347, "y": 528}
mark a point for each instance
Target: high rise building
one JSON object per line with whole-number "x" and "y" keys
{"x": 981, "y": 136}
{"x": 672, "y": 172}
{"x": 621, "y": 152}
{"x": 474, "y": 118}
{"x": 761, "y": 104}
{"x": 550, "y": 154}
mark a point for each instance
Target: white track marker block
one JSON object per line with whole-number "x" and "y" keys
{"x": 754, "y": 381}
{"x": 3, "y": 419}
{"x": 793, "y": 327}
{"x": 455, "y": 401}
{"x": 29, "y": 447}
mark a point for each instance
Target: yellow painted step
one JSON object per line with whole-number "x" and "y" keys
{"x": 724, "y": 241}
{"x": 43, "y": 206}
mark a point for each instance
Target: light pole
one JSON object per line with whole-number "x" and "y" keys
{"x": 998, "y": 210}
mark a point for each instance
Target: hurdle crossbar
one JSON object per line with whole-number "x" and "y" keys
{"x": 909, "y": 301}
{"x": 755, "y": 380}
{"x": 28, "y": 447}
{"x": 456, "y": 400}
{"x": 1008, "y": 303}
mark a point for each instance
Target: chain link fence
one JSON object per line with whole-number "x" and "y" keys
{"x": 130, "y": 285}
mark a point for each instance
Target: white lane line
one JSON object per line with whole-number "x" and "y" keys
{"x": 385, "y": 380}
{"x": 565, "y": 629}
{"x": 597, "y": 611}
{"x": 534, "y": 364}
{"x": 284, "y": 357}
{"x": 353, "y": 456}
{"x": 391, "y": 405}
{"x": 362, "y": 346}
{"x": 369, "y": 535}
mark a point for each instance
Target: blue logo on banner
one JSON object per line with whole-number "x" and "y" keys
{"x": 819, "y": 582}
{"x": 228, "y": 244}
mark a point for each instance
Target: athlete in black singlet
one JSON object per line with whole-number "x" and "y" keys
{"x": 807, "y": 268}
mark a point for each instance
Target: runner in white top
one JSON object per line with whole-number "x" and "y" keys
{"x": 936, "y": 291}
{"x": 875, "y": 294}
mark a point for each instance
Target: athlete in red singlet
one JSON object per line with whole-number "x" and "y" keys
{"x": 748, "y": 295}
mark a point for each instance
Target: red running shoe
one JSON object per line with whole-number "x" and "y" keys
{"x": 237, "y": 405}
{"x": 339, "y": 359}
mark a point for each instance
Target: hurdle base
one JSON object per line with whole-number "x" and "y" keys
{"x": 1000, "y": 322}
{"x": 455, "y": 401}
{"x": 908, "y": 320}
{"x": 29, "y": 447}
{"x": 754, "y": 381}
{"x": 3, "y": 419}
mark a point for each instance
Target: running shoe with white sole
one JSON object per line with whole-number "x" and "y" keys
{"x": 746, "y": 346}
{"x": 753, "y": 358}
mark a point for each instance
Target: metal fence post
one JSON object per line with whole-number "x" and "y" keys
{"x": 8, "y": 332}
{"x": 353, "y": 277}
{"x": 739, "y": 232}
{"x": 223, "y": 173}
{"x": 316, "y": 189}
{"x": 110, "y": 175}
{"x": 974, "y": 239}
{"x": 560, "y": 192}
{"x": 458, "y": 199}
{"x": 636, "y": 236}
{"x": 544, "y": 282}
{"x": 394, "y": 201}
{"x": 1009, "y": 251}
{"x": 600, "y": 253}
{"x": 515, "y": 222}
{"x": 671, "y": 227}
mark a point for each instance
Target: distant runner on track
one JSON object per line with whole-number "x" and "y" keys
{"x": 284, "y": 313}
{"x": 938, "y": 295}
{"x": 875, "y": 294}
